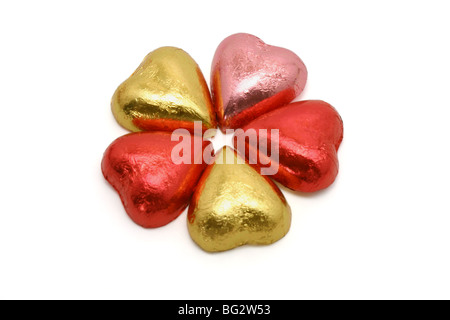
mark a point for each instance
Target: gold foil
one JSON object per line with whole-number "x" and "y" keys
{"x": 234, "y": 205}
{"x": 167, "y": 91}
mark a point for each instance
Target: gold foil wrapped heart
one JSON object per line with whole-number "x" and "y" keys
{"x": 166, "y": 92}
{"x": 234, "y": 205}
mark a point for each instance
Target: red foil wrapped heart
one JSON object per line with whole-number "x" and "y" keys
{"x": 250, "y": 78}
{"x": 154, "y": 190}
{"x": 310, "y": 133}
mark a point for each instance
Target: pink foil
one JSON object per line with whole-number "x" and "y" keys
{"x": 250, "y": 78}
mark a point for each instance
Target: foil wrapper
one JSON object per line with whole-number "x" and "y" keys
{"x": 154, "y": 190}
{"x": 309, "y": 135}
{"x": 250, "y": 78}
{"x": 234, "y": 205}
{"x": 166, "y": 92}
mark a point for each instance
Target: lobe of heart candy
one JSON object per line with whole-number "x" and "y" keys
{"x": 233, "y": 205}
{"x": 310, "y": 133}
{"x": 250, "y": 78}
{"x": 166, "y": 92}
{"x": 154, "y": 190}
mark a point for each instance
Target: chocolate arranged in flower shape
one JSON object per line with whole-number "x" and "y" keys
{"x": 232, "y": 204}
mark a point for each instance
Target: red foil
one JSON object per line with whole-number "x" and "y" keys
{"x": 310, "y": 133}
{"x": 154, "y": 190}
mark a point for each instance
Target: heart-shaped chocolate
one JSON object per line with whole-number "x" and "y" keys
{"x": 250, "y": 78}
{"x": 234, "y": 205}
{"x": 166, "y": 92}
{"x": 153, "y": 187}
{"x": 310, "y": 133}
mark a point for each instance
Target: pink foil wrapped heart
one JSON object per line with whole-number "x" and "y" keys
{"x": 250, "y": 78}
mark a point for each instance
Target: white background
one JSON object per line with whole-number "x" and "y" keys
{"x": 381, "y": 231}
